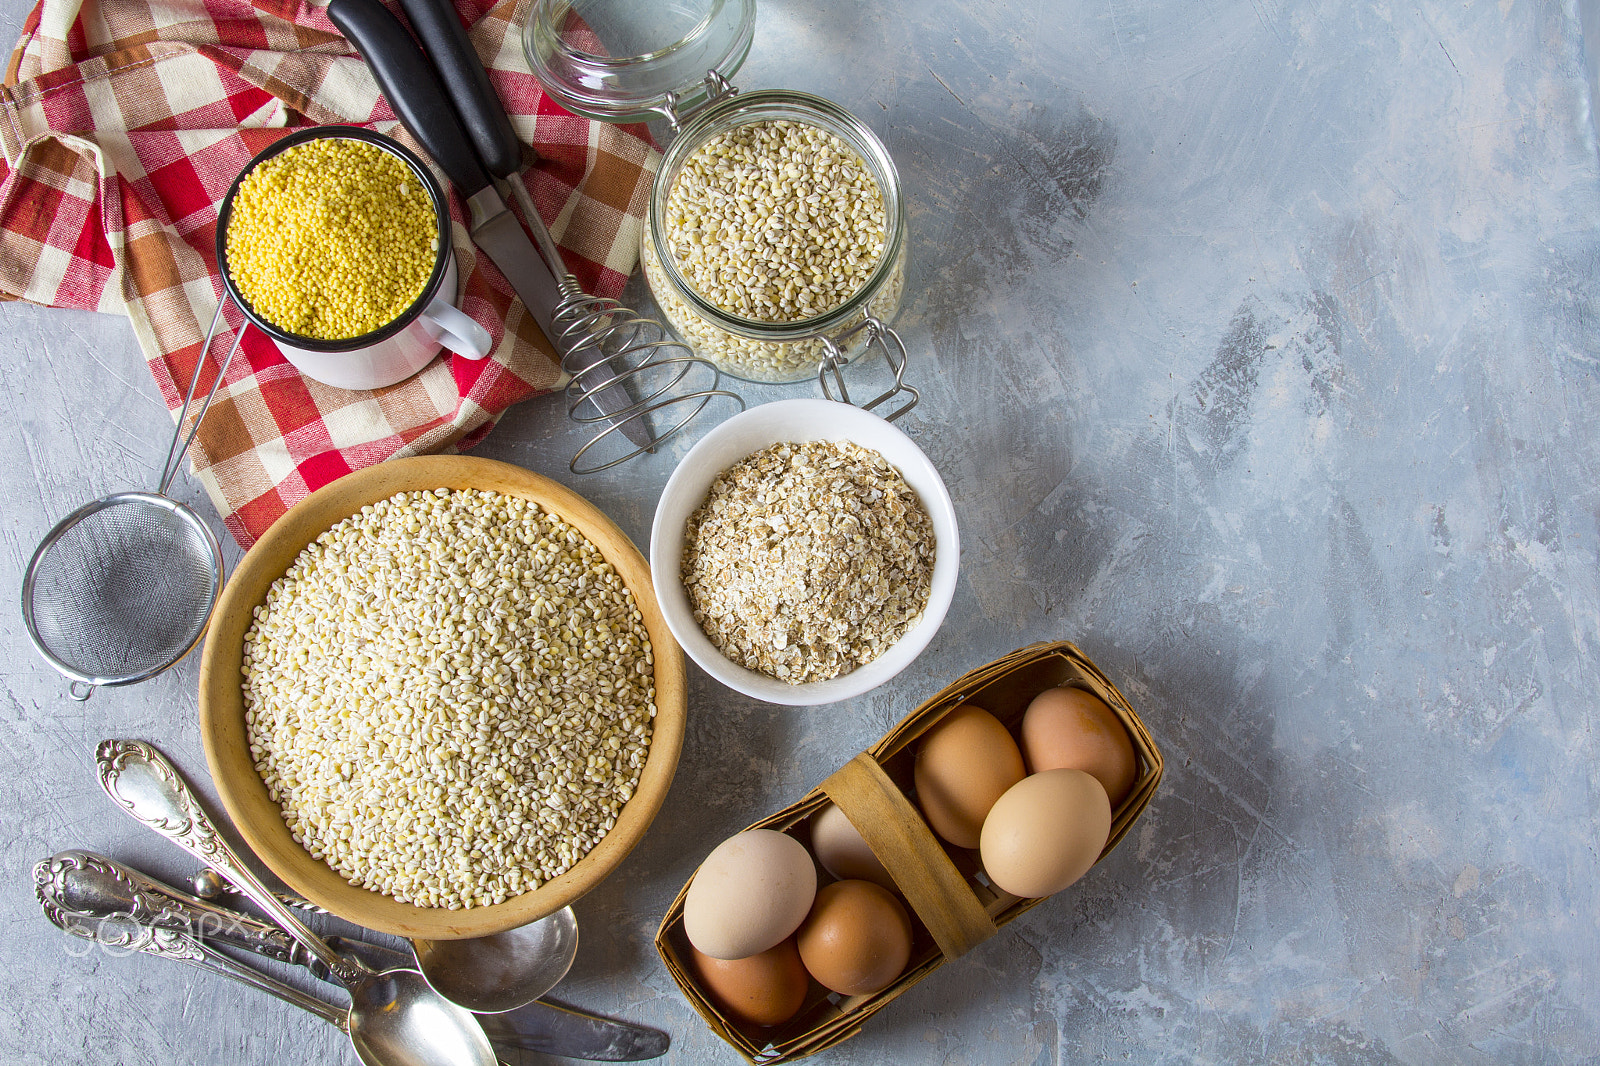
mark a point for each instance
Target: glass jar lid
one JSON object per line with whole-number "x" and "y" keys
{"x": 634, "y": 60}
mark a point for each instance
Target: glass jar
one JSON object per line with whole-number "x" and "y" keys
{"x": 752, "y": 348}
{"x": 679, "y": 59}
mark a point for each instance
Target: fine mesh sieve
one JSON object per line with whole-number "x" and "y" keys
{"x": 122, "y": 588}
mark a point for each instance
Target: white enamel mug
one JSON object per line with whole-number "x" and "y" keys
{"x": 433, "y": 326}
{"x": 400, "y": 348}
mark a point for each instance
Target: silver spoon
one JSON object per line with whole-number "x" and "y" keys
{"x": 487, "y": 974}
{"x": 168, "y": 943}
{"x": 503, "y": 971}
{"x": 395, "y": 1019}
{"x": 180, "y": 945}
{"x": 88, "y": 890}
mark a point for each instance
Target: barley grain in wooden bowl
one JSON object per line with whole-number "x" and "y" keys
{"x": 415, "y": 672}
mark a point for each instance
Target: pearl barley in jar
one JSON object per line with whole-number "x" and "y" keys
{"x": 777, "y": 221}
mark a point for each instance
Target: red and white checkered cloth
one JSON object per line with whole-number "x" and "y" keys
{"x": 123, "y": 123}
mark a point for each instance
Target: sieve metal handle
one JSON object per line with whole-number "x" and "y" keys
{"x": 175, "y": 454}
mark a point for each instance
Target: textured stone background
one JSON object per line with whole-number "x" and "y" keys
{"x": 1257, "y": 347}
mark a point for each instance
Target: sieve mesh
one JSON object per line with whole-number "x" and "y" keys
{"x": 123, "y": 588}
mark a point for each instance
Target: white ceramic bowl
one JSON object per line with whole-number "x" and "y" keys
{"x": 797, "y": 421}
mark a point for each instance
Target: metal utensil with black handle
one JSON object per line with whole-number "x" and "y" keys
{"x": 466, "y": 81}
{"x": 413, "y": 89}
{"x": 443, "y": 96}
{"x": 444, "y": 38}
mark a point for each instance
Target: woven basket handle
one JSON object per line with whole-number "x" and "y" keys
{"x": 916, "y": 860}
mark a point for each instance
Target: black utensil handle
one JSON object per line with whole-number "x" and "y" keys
{"x": 445, "y": 40}
{"x": 409, "y": 83}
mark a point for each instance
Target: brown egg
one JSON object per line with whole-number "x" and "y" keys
{"x": 839, "y": 848}
{"x": 1070, "y": 728}
{"x": 964, "y": 764}
{"x": 1045, "y": 832}
{"x": 857, "y": 939}
{"x": 766, "y": 989}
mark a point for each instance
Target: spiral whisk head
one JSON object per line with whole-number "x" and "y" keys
{"x": 627, "y": 368}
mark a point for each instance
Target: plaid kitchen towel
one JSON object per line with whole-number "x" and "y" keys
{"x": 123, "y": 123}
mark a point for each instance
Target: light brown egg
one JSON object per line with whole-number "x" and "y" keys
{"x": 857, "y": 939}
{"x": 964, "y": 764}
{"x": 754, "y": 889}
{"x": 1073, "y": 729}
{"x": 839, "y": 848}
{"x": 1045, "y": 832}
{"x": 765, "y": 989}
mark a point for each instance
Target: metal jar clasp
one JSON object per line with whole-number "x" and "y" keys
{"x": 894, "y": 352}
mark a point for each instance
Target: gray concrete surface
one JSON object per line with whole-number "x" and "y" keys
{"x": 1257, "y": 346}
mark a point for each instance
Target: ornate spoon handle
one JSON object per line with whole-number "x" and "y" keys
{"x": 82, "y": 891}
{"x": 141, "y": 781}
{"x": 87, "y": 888}
{"x": 168, "y": 943}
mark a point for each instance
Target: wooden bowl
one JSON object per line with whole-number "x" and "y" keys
{"x": 258, "y": 817}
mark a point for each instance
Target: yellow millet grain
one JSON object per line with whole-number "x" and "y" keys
{"x": 332, "y": 239}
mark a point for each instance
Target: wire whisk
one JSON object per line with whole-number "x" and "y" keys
{"x": 624, "y": 369}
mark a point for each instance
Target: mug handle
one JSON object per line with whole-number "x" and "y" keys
{"x": 456, "y": 330}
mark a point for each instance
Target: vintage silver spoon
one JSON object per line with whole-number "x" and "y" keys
{"x": 177, "y": 944}
{"x": 395, "y": 1019}
{"x": 96, "y": 897}
{"x": 180, "y": 945}
{"x": 135, "y": 928}
{"x": 487, "y": 974}
{"x": 503, "y": 971}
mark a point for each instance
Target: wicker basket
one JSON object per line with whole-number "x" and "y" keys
{"x": 952, "y": 905}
